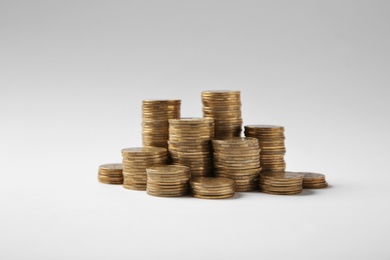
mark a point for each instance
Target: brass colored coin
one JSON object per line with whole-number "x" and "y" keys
{"x": 281, "y": 175}
{"x": 213, "y": 197}
{"x": 168, "y": 169}
{"x": 281, "y": 189}
{"x": 134, "y": 187}
{"x": 144, "y": 151}
{"x": 265, "y": 127}
{"x": 110, "y": 181}
{"x": 282, "y": 193}
{"x": 211, "y": 182}
{"x": 113, "y": 178}
{"x": 313, "y": 176}
{"x": 156, "y": 194}
{"x": 111, "y": 167}
{"x": 315, "y": 186}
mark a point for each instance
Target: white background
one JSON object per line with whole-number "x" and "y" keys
{"x": 73, "y": 75}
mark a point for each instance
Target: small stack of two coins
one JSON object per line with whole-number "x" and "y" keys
{"x": 281, "y": 183}
{"x": 168, "y": 180}
{"x": 136, "y": 160}
{"x": 212, "y": 188}
{"x": 271, "y": 141}
{"x": 190, "y": 144}
{"x": 238, "y": 159}
{"x": 110, "y": 173}
{"x": 155, "y": 116}
{"x": 225, "y": 108}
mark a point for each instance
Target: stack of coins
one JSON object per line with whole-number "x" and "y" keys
{"x": 110, "y": 173}
{"x": 271, "y": 141}
{"x": 168, "y": 180}
{"x": 136, "y": 160}
{"x": 212, "y": 188}
{"x": 238, "y": 159}
{"x": 313, "y": 180}
{"x": 155, "y": 116}
{"x": 190, "y": 144}
{"x": 225, "y": 108}
{"x": 281, "y": 183}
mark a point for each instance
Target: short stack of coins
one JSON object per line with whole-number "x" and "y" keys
{"x": 313, "y": 180}
{"x": 168, "y": 180}
{"x": 225, "y": 108}
{"x": 155, "y": 116}
{"x": 238, "y": 159}
{"x": 190, "y": 144}
{"x": 136, "y": 160}
{"x": 281, "y": 183}
{"x": 212, "y": 187}
{"x": 110, "y": 173}
{"x": 271, "y": 141}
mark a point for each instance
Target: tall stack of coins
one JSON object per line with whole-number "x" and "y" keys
{"x": 225, "y": 108}
{"x": 281, "y": 183}
{"x": 313, "y": 180}
{"x": 238, "y": 159}
{"x": 271, "y": 141}
{"x": 190, "y": 144}
{"x": 212, "y": 188}
{"x": 136, "y": 160}
{"x": 155, "y": 116}
{"x": 110, "y": 173}
{"x": 168, "y": 180}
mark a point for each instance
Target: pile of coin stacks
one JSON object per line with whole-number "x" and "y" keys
{"x": 313, "y": 180}
{"x": 212, "y": 188}
{"x": 225, "y": 108}
{"x": 281, "y": 183}
{"x": 168, "y": 180}
{"x": 238, "y": 159}
{"x": 110, "y": 173}
{"x": 155, "y": 116}
{"x": 190, "y": 144}
{"x": 271, "y": 141}
{"x": 136, "y": 160}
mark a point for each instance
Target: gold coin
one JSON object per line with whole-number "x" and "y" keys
{"x": 144, "y": 151}
{"x": 282, "y": 192}
{"x": 134, "y": 187}
{"x": 212, "y": 182}
{"x": 213, "y": 196}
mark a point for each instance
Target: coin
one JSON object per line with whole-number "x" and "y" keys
{"x": 155, "y": 116}
{"x": 281, "y": 182}
{"x": 136, "y": 160}
{"x": 225, "y": 108}
{"x": 168, "y": 180}
{"x": 189, "y": 144}
{"x": 313, "y": 180}
{"x": 212, "y": 187}
{"x": 110, "y": 173}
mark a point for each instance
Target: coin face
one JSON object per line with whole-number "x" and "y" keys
{"x": 111, "y": 167}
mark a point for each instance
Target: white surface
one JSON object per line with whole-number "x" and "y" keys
{"x": 72, "y": 78}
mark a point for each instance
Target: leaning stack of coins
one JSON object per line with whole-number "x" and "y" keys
{"x": 135, "y": 162}
{"x": 225, "y": 108}
{"x": 168, "y": 180}
{"x": 110, "y": 173}
{"x": 281, "y": 183}
{"x": 212, "y": 188}
{"x": 190, "y": 144}
{"x": 271, "y": 141}
{"x": 313, "y": 180}
{"x": 238, "y": 159}
{"x": 155, "y": 116}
